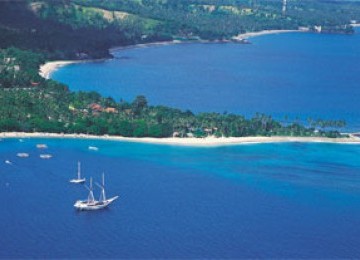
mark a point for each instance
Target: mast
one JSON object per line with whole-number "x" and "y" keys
{"x": 79, "y": 169}
{"x": 102, "y": 195}
{"x": 91, "y": 194}
{"x": 284, "y": 8}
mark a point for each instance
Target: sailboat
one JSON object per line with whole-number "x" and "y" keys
{"x": 91, "y": 203}
{"x": 79, "y": 179}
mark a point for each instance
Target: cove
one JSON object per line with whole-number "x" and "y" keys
{"x": 294, "y": 75}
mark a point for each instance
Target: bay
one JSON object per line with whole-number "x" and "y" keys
{"x": 294, "y": 75}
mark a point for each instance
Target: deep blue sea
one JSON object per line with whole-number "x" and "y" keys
{"x": 299, "y": 75}
{"x": 267, "y": 200}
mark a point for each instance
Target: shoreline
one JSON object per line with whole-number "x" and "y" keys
{"x": 194, "y": 142}
{"x": 145, "y": 45}
{"x": 248, "y": 35}
{"x": 50, "y": 67}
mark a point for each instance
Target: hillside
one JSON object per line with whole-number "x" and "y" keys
{"x": 78, "y": 29}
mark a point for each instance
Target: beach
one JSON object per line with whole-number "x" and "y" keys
{"x": 191, "y": 141}
{"x": 248, "y": 35}
{"x": 49, "y": 67}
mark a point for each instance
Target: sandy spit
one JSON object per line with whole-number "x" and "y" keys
{"x": 203, "y": 142}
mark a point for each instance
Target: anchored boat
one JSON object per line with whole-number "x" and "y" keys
{"x": 45, "y": 156}
{"x": 79, "y": 179}
{"x": 91, "y": 203}
{"x": 93, "y": 148}
{"x": 22, "y": 155}
{"x": 41, "y": 146}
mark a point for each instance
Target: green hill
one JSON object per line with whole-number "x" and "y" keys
{"x": 72, "y": 29}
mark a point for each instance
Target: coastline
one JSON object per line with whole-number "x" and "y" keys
{"x": 49, "y": 67}
{"x": 145, "y": 45}
{"x": 248, "y": 35}
{"x": 195, "y": 142}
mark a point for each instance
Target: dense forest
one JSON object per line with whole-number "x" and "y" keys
{"x": 80, "y": 29}
{"x": 33, "y": 32}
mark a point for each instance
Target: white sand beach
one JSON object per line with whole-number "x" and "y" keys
{"x": 248, "y": 35}
{"x": 202, "y": 142}
{"x": 49, "y": 67}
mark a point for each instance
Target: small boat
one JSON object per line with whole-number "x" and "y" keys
{"x": 93, "y": 148}
{"x": 41, "y": 146}
{"x": 79, "y": 179}
{"x": 8, "y": 162}
{"x": 91, "y": 203}
{"x": 22, "y": 155}
{"x": 45, "y": 156}
{"x": 21, "y": 140}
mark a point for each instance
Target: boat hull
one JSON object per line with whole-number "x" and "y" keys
{"x": 84, "y": 205}
{"x": 77, "y": 181}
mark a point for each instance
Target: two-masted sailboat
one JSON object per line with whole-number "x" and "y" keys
{"x": 79, "y": 179}
{"x": 91, "y": 203}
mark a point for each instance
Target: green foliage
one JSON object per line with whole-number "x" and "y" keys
{"x": 19, "y": 68}
{"x": 82, "y": 29}
{"x": 49, "y": 109}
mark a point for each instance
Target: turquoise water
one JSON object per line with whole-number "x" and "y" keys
{"x": 297, "y": 74}
{"x": 264, "y": 200}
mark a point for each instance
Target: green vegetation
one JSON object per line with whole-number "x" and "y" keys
{"x": 82, "y": 29}
{"x": 32, "y": 104}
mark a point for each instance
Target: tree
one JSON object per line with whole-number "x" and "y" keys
{"x": 139, "y": 104}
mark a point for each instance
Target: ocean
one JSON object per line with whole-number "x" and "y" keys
{"x": 283, "y": 200}
{"x": 289, "y": 76}
{"x": 265, "y": 200}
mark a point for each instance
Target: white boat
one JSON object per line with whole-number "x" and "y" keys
{"x": 41, "y": 146}
{"x": 79, "y": 179}
{"x": 45, "y": 156}
{"x": 22, "y": 155}
{"x": 93, "y": 148}
{"x": 91, "y": 203}
{"x": 8, "y": 162}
